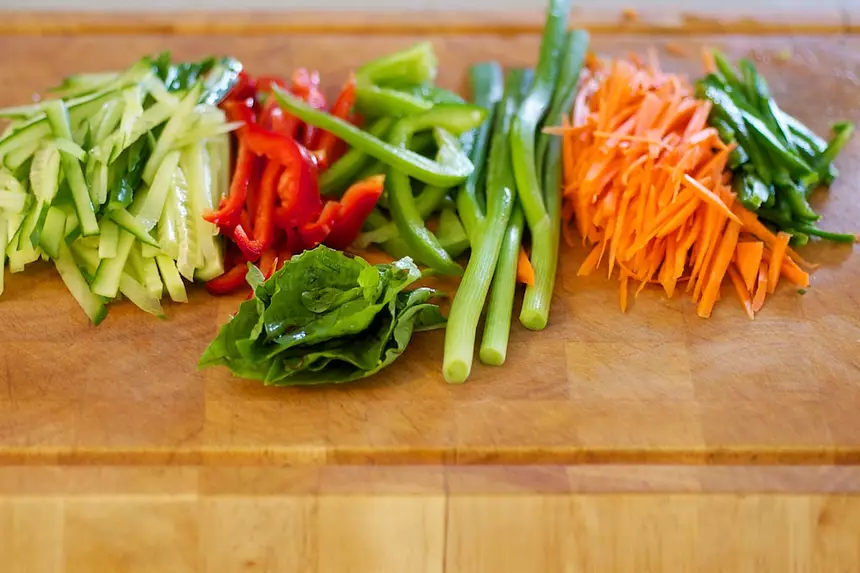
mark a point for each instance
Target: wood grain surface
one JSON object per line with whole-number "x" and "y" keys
{"x": 340, "y": 519}
{"x": 655, "y": 385}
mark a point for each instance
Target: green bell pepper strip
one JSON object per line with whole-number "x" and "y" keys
{"x": 842, "y": 132}
{"x": 427, "y": 201}
{"x": 379, "y": 84}
{"x": 410, "y": 224}
{"x": 487, "y": 87}
{"x": 501, "y": 194}
{"x": 336, "y": 179}
{"x": 454, "y": 118}
{"x": 750, "y": 190}
{"x": 534, "y": 313}
{"x": 413, "y": 66}
{"x": 531, "y": 112}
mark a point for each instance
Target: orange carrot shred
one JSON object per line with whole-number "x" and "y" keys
{"x": 760, "y": 289}
{"x": 742, "y": 290}
{"x": 525, "y": 271}
{"x": 749, "y": 256}
{"x": 776, "y": 258}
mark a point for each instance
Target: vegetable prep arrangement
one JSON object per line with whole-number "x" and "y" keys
{"x": 134, "y": 183}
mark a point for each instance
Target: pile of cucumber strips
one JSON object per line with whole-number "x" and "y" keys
{"x": 109, "y": 175}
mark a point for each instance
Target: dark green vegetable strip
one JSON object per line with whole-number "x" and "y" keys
{"x": 487, "y": 87}
{"x": 335, "y": 180}
{"x": 531, "y": 112}
{"x": 457, "y": 119}
{"x": 750, "y": 190}
{"x": 842, "y": 132}
{"x": 427, "y": 201}
{"x": 501, "y": 194}
{"x": 410, "y": 224}
{"x": 544, "y": 255}
{"x": 497, "y": 329}
{"x": 727, "y": 72}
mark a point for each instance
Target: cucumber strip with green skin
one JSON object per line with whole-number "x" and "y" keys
{"x": 92, "y": 304}
{"x": 4, "y": 240}
{"x": 130, "y": 223}
{"x": 148, "y": 251}
{"x": 53, "y": 232}
{"x": 34, "y": 230}
{"x": 214, "y": 266}
{"x": 166, "y": 231}
{"x": 73, "y": 227}
{"x": 134, "y": 266}
{"x": 172, "y": 280}
{"x": 19, "y": 156}
{"x": 45, "y": 172}
{"x": 149, "y": 210}
{"x": 111, "y": 116}
{"x": 172, "y": 129}
{"x": 140, "y": 296}
{"x": 58, "y": 117}
{"x": 151, "y": 278}
{"x": 110, "y": 148}
{"x": 108, "y": 239}
{"x": 218, "y": 154}
{"x": 13, "y": 202}
{"x": 185, "y": 224}
{"x": 28, "y": 225}
{"x": 69, "y": 147}
{"x": 106, "y": 282}
{"x": 155, "y": 87}
{"x": 21, "y": 258}
{"x": 191, "y": 162}
{"x": 99, "y": 182}
{"x": 203, "y": 131}
{"x": 87, "y": 258}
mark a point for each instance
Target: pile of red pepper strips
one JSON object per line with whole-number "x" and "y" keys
{"x": 274, "y": 208}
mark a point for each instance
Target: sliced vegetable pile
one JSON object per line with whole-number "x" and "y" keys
{"x": 646, "y": 183}
{"x": 324, "y": 317}
{"x": 108, "y": 176}
{"x": 274, "y": 208}
{"x": 779, "y": 161}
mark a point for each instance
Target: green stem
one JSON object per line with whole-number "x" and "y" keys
{"x": 497, "y": 329}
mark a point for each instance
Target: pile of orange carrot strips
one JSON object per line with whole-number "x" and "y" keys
{"x": 646, "y": 183}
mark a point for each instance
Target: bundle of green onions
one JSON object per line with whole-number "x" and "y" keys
{"x": 778, "y": 161}
{"x": 522, "y": 188}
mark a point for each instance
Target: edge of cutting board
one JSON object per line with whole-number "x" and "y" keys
{"x": 755, "y": 21}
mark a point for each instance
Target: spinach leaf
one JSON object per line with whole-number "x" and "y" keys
{"x": 324, "y": 317}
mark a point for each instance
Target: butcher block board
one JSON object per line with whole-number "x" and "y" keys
{"x": 97, "y": 423}
{"x": 654, "y": 385}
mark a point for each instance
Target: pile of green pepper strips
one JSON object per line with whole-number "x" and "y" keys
{"x": 778, "y": 161}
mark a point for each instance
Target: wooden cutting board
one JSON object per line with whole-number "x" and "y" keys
{"x": 658, "y": 388}
{"x": 657, "y": 384}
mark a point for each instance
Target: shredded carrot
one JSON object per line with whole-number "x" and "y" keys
{"x": 749, "y": 256}
{"x": 647, "y": 187}
{"x": 742, "y": 290}
{"x": 525, "y": 271}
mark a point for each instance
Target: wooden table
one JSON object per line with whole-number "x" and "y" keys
{"x": 646, "y": 441}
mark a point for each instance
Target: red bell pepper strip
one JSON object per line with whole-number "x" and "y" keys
{"x": 315, "y": 233}
{"x": 230, "y": 209}
{"x": 241, "y": 110}
{"x": 265, "y": 83}
{"x": 230, "y": 281}
{"x": 328, "y": 150}
{"x": 274, "y": 119}
{"x": 355, "y": 205}
{"x": 244, "y": 88}
{"x": 268, "y": 262}
{"x": 298, "y": 187}
{"x": 264, "y": 217}
{"x": 250, "y": 248}
{"x": 306, "y": 86}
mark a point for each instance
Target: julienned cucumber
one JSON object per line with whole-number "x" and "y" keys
{"x": 92, "y": 175}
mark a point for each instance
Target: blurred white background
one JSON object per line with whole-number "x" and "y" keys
{"x": 711, "y": 6}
